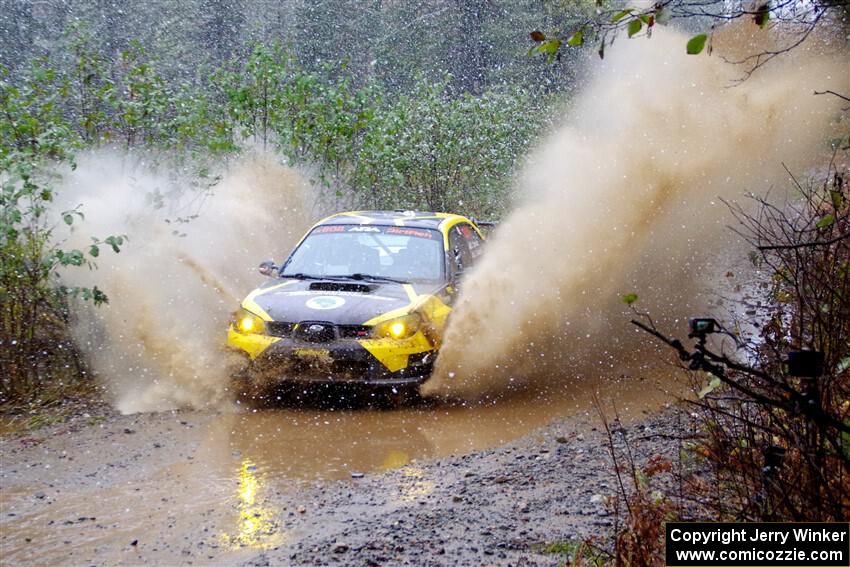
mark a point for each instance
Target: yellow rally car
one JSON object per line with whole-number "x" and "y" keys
{"x": 362, "y": 300}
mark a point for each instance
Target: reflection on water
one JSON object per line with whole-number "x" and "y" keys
{"x": 256, "y": 526}
{"x": 322, "y": 444}
{"x": 413, "y": 484}
{"x": 394, "y": 460}
{"x": 333, "y": 444}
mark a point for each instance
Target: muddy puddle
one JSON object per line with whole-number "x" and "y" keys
{"x": 207, "y": 488}
{"x": 334, "y": 444}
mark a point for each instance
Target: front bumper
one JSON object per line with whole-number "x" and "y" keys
{"x": 356, "y": 363}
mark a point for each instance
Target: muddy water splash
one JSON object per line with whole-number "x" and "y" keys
{"x": 624, "y": 198}
{"x": 190, "y": 258}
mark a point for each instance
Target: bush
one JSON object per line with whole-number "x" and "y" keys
{"x": 32, "y": 309}
{"x": 429, "y": 151}
{"x": 777, "y": 441}
{"x": 366, "y": 146}
{"x": 770, "y": 437}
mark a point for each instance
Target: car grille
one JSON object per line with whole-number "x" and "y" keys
{"x": 279, "y": 329}
{"x": 317, "y": 331}
{"x": 354, "y": 331}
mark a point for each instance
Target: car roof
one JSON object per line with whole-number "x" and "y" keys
{"x": 416, "y": 219}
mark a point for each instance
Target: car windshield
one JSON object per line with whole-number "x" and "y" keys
{"x": 396, "y": 252}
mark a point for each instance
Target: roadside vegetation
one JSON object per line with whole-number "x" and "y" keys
{"x": 393, "y": 131}
{"x": 765, "y": 435}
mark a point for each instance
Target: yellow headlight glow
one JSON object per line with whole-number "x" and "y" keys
{"x": 248, "y": 323}
{"x": 399, "y": 328}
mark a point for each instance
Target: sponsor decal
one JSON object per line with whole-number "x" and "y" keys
{"x": 319, "y": 352}
{"x": 330, "y": 228}
{"x": 402, "y": 230}
{"x": 410, "y": 232}
{"x": 325, "y": 302}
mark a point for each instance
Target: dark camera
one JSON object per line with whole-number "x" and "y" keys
{"x": 805, "y": 363}
{"x": 773, "y": 456}
{"x": 701, "y": 326}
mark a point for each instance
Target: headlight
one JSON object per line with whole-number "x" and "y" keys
{"x": 398, "y": 328}
{"x": 248, "y": 323}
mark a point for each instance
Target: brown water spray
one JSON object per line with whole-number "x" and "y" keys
{"x": 159, "y": 343}
{"x": 625, "y": 197}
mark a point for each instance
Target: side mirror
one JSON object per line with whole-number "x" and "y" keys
{"x": 457, "y": 276}
{"x": 268, "y": 268}
{"x": 458, "y": 265}
{"x": 458, "y": 261}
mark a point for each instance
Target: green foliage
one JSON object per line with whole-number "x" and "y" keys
{"x": 712, "y": 385}
{"x": 430, "y": 151}
{"x": 547, "y": 47}
{"x": 35, "y": 133}
{"x": 576, "y": 39}
{"x": 611, "y": 20}
{"x": 622, "y": 14}
{"x": 696, "y": 44}
{"x": 572, "y": 552}
{"x": 630, "y": 298}
{"x": 826, "y": 221}
{"x": 429, "y": 148}
{"x": 424, "y": 149}
{"x": 89, "y": 84}
{"x": 255, "y": 91}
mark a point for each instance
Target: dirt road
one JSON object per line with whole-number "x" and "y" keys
{"x": 433, "y": 484}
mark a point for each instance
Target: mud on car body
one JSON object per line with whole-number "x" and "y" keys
{"x": 361, "y": 300}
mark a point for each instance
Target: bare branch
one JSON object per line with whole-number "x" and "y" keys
{"x": 833, "y": 93}
{"x": 801, "y": 245}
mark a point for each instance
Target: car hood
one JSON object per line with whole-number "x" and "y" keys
{"x": 346, "y": 302}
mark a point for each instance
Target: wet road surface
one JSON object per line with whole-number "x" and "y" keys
{"x": 215, "y": 487}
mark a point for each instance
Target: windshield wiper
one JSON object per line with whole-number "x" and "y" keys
{"x": 337, "y": 277}
{"x": 301, "y": 276}
{"x": 361, "y": 276}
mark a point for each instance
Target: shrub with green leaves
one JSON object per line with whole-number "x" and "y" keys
{"x": 430, "y": 151}
{"x": 363, "y": 144}
{"x": 35, "y": 137}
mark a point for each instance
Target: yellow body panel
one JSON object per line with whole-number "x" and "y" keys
{"x": 253, "y": 344}
{"x": 392, "y": 353}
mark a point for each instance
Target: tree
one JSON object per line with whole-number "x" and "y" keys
{"x": 221, "y": 28}
{"x": 798, "y": 21}
{"x": 17, "y": 28}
